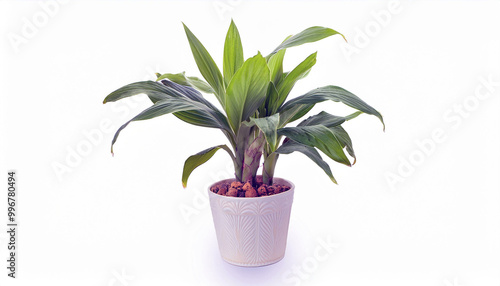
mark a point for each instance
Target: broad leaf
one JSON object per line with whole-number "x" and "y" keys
{"x": 291, "y": 146}
{"x": 309, "y": 35}
{"x": 200, "y": 158}
{"x": 207, "y": 66}
{"x": 318, "y": 136}
{"x": 268, "y": 126}
{"x": 247, "y": 90}
{"x": 292, "y": 77}
{"x": 334, "y": 93}
{"x": 233, "y": 53}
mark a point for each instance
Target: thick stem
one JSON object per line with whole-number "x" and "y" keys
{"x": 243, "y": 139}
{"x": 268, "y": 168}
{"x": 251, "y": 162}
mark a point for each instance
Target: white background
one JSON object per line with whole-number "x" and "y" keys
{"x": 107, "y": 220}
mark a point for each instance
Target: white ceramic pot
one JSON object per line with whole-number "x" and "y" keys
{"x": 252, "y": 231}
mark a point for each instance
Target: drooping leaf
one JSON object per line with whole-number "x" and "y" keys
{"x": 233, "y": 53}
{"x": 178, "y": 105}
{"x": 207, "y": 66}
{"x": 318, "y": 136}
{"x": 334, "y": 122}
{"x": 192, "y": 81}
{"x": 344, "y": 139}
{"x": 292, "y": 77}
{"x": 268, "y": 126}
{"x": 247, "y": 90}
{"x": 334, "y": 93}
{"x": 291, "y": 146}
{"x": 309, "y": 35}
{"x": 154, "y": 90}
{"x": 200, "y": 158}
{"x": 323, "y": 118}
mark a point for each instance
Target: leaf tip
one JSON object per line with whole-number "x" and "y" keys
{"x": 184, "y": 184}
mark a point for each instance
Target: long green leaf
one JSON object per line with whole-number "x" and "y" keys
{"x": 233, "y": 53}
{"x": 275, "y": 64}
{"x": 207, "y": 66}
{"x": 268, "y": 126}
{"x": 292, "y": 77}
{"x": 291, "y": 146}
{"x": 309, "y": 35}
{"x": 318, "y": 136}
{"x": 334, "y": 93}
{"x": 200, "y": 158}
{"x": 247, "y": 90}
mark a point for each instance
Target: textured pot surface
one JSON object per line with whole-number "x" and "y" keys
{"x": 252, "y": 231}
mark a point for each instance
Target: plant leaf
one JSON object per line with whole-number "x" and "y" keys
{"x": 323, "y": 118}
{"x": 334, "y": 124}
{"x": 154, "y": 90}
{"x": 233, "y": 53}
{"x": 192, "y": 81}
{"x": 334, "y": 93}
{"x": 247, "y": 90}
{"x": 200, "y": 158}
{"x": 299, "y": 72}
{"x": 291, "y": 146}
{"x": 318, "y": 136}
{"x": 180, "y": 106}
{"x": 344, "y": 139}
{"x": 268, "y": 126}
{"x": 309, "y": 35}
{"x": 275, "y": 64}
{"x": 207, "y": 66}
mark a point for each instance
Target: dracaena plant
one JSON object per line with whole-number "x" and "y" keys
{"x": 255, "y": 113}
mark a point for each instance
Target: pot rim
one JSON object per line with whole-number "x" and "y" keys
{"x": 287, "y": 182}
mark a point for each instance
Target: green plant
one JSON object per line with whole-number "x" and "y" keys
{"x": 252, "y": 94}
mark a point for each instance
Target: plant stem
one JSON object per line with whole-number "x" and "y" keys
{"x": 252, "y": 159}
{"x": 268, "y": 168}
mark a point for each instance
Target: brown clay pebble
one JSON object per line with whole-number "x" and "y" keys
{"x": 236, "y": 185}
{"x": 232, "y": 192}
{"x": 222, "y": 190}
{"x": 247, "y": 186}
{"x": 214, "y": 189}
{"x": 251, "y": 193}
{"x": 262, "y": 191}
{"x": 270, "y": 190}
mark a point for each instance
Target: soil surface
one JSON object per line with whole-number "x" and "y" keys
{"x": 239, "y": 189}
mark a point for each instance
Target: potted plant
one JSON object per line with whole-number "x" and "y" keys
{"x": 251, "y": 212}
